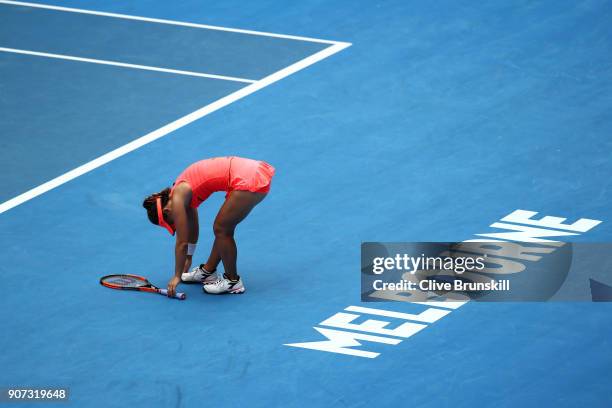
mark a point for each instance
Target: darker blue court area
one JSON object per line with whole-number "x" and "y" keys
{"x": 148, "y": 43}
{"x": 440, "y": 119}
{"x": 60, "y": 114}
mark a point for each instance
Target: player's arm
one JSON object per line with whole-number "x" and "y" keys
{"x": 180, "y": 204}
{"x": 180, "y": 215}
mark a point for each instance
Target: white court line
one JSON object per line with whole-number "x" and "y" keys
{"x": 170, "y": 127}
{"x": 124, "y": 65}
{"x": 162, "y": 21}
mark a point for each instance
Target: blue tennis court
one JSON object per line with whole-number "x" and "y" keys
{"x": 391, "y": 121}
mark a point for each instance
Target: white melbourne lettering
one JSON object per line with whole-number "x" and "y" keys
{"x": 344, "y": 341}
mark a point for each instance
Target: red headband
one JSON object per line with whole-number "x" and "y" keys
{"x": 160, "y": 218}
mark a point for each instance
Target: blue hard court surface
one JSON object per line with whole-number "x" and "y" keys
{"x": 441, "y": 118}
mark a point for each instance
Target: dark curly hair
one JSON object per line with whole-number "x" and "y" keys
{"x": 150, "y": 204}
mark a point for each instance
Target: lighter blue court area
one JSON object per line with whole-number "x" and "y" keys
{"x": 440, "y": 119}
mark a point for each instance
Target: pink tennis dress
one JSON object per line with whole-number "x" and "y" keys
{"x": 225, "y": 174}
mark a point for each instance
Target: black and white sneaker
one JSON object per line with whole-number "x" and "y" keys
{"x": 224, "y": 285}
{"x": 199, "y": 275}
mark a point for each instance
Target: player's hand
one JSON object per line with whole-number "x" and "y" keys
{"x": 172, "y": 285}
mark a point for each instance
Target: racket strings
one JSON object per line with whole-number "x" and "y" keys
{"x": 125, "y": 281}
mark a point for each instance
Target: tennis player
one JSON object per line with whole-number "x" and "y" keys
{"x": 246, "y": 183}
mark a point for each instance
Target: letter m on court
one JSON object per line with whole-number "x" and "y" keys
{"x": 339, "y": 340}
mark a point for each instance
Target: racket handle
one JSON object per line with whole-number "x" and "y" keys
{"x": 177, "y": 295}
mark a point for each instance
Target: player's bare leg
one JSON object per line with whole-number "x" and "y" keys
{"x": 235, "y": 209}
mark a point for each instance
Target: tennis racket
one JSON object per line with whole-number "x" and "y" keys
{"x": 135, "y": 282}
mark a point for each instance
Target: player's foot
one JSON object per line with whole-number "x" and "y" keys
{"x": 199, "y": 274}
{"x": 224, "y": 285}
